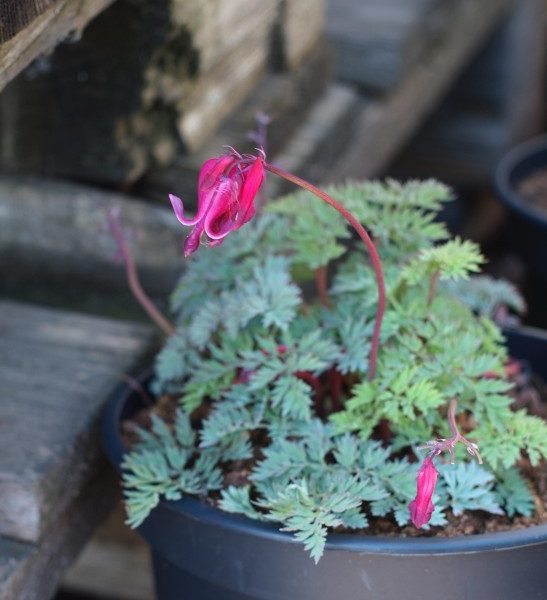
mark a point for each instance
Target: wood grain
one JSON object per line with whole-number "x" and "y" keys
{"x": 45, "y": 26}
{"x": 56, "y": 230}
{"x": 57, "y": 369}
{"x": 17, "y": 14}
{"x": 385, "y": 124}
{"x": 33, "y": 571}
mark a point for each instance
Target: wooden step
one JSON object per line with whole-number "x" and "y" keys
{"x": 29, "y": 28}
{"x": 57, "y": 370}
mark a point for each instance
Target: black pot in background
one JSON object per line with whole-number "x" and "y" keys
{"x": 201, "y": 553}
{"x": 526, "y": 231}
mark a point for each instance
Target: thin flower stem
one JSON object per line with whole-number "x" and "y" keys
{"x": 435, "y": 447}
{"x": 314, "y": 382}
{"x": 321, "y": 285}
{"x": 451, "y": 417}
{"x": 375, "y": 259}
{"x": 133, "y": 277}
{"x": 433, "y": 287}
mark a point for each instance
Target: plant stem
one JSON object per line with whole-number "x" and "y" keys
{"x": 133, "y": 277}
{"x": 433, "y": 287}
{"x": 375, "y": 259}
{"x": 335, "y": 388}
{"x": 321, "y": 285}
{"x": 451, "y": 417}
{"x": 315, "y": 384}
{"x": 438, "y": 446}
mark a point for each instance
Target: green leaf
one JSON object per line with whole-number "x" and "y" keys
{"x": 469, "y": 487}
{"x": 513, "y": 493}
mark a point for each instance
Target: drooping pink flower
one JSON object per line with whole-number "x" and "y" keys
{"x": 227, "y": 187}
{"x": 421, "y": 508}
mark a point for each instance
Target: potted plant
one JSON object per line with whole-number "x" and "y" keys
{"x": 521, "y": 185}
{"x": 330, "y": 443}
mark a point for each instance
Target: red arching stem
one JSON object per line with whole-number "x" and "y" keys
{"x": 316, "y": 385}
{"x": 335, "y": 388}
{"x": 321, "y": 285}
{"x": 375, "y": 259}
{"x": 133, "y": 278}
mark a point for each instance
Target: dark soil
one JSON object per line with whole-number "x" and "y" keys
{"x": 529, "y": 392}
{"x": 534, "y": 189}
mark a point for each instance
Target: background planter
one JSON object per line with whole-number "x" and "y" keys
{"x": 526, "y": 234}
{"x": 200, "y": 553}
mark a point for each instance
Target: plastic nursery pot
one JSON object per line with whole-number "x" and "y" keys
{"x": 201, "y": 553}
{"x": 527, "y": 232}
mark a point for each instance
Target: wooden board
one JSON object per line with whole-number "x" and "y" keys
{"x": 57, "y": 369}
{"x": 17, "y": 14}
{"x": 286, "y": 97}
{"x": 301, "y": 26}
{"x": 378, "y": 43}
{"x": 33, "y": 27}
{"x": 114, "y": 551}
{"x": 33, "y": 571}
{"x": 164, "y": 85}
{"x": 497, "y": 102}
{"x": 385, "y": 124}
{"x": 54, "y": 233}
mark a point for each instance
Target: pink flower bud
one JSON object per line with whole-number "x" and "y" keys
{"x": 421, "y": 508}
{"x": 227, "y": 188}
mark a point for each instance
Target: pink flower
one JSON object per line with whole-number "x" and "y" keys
{"x": 227, "y": 187}
{"x": 421, "y": 508}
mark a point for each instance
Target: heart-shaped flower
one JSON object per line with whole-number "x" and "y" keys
{"x": 227, "y": 188}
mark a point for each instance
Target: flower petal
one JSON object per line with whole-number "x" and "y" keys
{"x": 178, "y": 207}
{"x": 224, "y": 214}
{"x": 209, "y": 174}
{"x": 251, "y": 184}
{"x": 191, "y": 244}
{"x": 421, "y": 508}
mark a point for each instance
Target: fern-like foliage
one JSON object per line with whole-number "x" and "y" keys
{"x": 513, "y": 493}
{"x": 267, "y": 377}
{"x": 484, "y": 295}
{"x": 159, "y": 468}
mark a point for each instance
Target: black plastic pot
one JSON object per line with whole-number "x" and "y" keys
{"x": 200, "y": 553}
{"x": 526, "y": 233}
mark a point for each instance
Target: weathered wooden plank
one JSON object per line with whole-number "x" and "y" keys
{"x": 384, "y": 125}
{"x": 44, "y": 27}
{"x": 33, "y": 571}
{"x": 286, "y": 97}
{"x": 114, "y": 551}
{"x": 320, "y": 139}
{"x": 56, "y": 369}
{"x": 56, "y": 229}
{"x": 166, "y": 84}
{"x": 300, "y": 26}
{"x": 17, "y": 14}
{"x": 378, "y": 43}
{"x": 498, "y": 101}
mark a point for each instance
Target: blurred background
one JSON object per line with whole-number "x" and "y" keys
{"x": 117, "y": 103}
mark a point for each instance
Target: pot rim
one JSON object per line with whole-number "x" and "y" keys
{"x": 504, "y": 183}
{"x": 195, "y": 508}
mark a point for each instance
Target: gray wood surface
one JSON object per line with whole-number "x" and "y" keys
{"x": 16, "y": 14}
{"x": 53, "y": 231}
{"x": 385, "y": 124}
{"x": 56, "y": 370}
{"x": 379, "y": 42}
{"x": 287, "y": 98}
{"x": 498, "y": 101}
{"x": 40, "y": 30}
{"x": 114, "y": 551}
{"x": 32, "y": 571}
